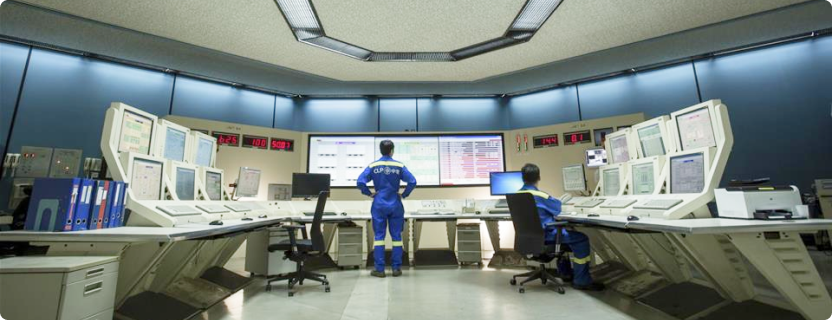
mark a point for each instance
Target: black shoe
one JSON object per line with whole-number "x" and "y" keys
{"x": 590, "y": 287}
{"x": 378, "y": 274}
{"x": 397, "y": 272}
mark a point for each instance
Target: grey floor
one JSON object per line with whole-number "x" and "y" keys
{"x": 465, "y": 293}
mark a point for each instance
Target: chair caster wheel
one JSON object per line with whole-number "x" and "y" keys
{"x": 522, "y": 290}
{"x": 561, "y": 291}
{"x": 326, "y": 289}
{"x": 268, "y": 288}
{"x": 513, "y": 282}
{"x": 291, "y": 294}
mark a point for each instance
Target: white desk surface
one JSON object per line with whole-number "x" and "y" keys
{"x": 699, "y": 226}
{"x": 51, "y": 264}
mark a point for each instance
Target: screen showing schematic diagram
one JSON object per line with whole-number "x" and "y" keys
{"x": 204, "y": 152}
{"x": 612, "y": 182}
{"x": 174, "y": 145}
{"x": 146, "y": 180}
{"x": 185, "y": 182}
{"x": 248, "y": 182}
{"x": 643, "y": 178}
{"x": 136, "y": 133}
{"x": 573, "y": 178}
{"x": 213, "y": 185}
{"x": 687, "y": 173}
{"x": 651, "y": 141}
{"x": 620, "y": 149}
{"x": 696, "y": 129}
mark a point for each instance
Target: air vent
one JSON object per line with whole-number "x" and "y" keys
{"x": 411, "y": 56}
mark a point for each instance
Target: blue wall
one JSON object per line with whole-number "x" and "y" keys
{"x": 462, "y": 114}
{"x": 12, "y": 63}
{"x": 208, "y": 100}
{"x": 779, "y": 101}
{"x": 338, "y": 115}
{"x": 544, "y": 108}
{"x": 284, "y": 113}
{"x": 655, "y": 92}
{"x": 396, "y": 115}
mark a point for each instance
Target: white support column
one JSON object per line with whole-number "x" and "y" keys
{"x": 782, "y": 258}
{"x": 664, "y": 256}
{"x": 719, "y": 262}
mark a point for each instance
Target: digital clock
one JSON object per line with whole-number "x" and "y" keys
{"x": 282, "y": 144}
{"x": 255, "y": 142}
{"x": 546, "y": 141}
{"x": 227, "y": 139}
{"x": 576, "y": 137}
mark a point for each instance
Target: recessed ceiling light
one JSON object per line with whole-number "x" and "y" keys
{"x": 307, "y": 28}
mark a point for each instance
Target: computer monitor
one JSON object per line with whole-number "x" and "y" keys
{"x": 643, "y": 178}
{"x": 146, "y": 179}
{"x": 213, "y": 185}
{"x": 204, "y": 150}
{"x": 185, "y": 183}
{"x": 652, "y": 143}
{"x": 596, "y": 157}
{"x": 174, "y": 144}
{"x": 619, "y": 148}
{"x": 612, "y": 181}
{"x": 574, "y": 178}
{"x": 696, "y": 129}
{"x": 248, "y": 182}
{"x": 687, "y": 173}
{"x": 503, "y": 183}
{"x": 136, "y": 133}
{"x": 307, "y": 185}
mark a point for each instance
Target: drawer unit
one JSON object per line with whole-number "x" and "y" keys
{"x": 350, "y": 245}
{"x": 58, "y": 288}
{"x": 258, "y": 258}
{"x": 468, "y": 243}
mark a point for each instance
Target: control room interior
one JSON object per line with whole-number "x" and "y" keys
{"x": 239, "y": 160}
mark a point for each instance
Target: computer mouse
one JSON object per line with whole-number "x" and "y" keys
{"x": 216, "y": 223}
{"x": 593, "y": 215}
{"x": 632, "y": 218}
{"x": 344, "y": 214}
{"x": 263, "y": 216}
{"x": 247, "y": 219}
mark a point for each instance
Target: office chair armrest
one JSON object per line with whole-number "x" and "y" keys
{"x": 556, "y": 224}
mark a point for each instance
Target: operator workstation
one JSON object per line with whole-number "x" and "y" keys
{"x": 519, "y": 159}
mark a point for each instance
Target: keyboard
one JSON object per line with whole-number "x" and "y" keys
{"x": 499, "y": 211}
{"x": 502, "y": 203}
{"x": 212, "y": 208}
{"x": 592, "y": 203}
{"x": 618, "y": 204}
{"x": 662, "y": 204}
{"x": 326, "y": 213}
{"x": 179, "y": 210}
{"x": 238, "y": 207}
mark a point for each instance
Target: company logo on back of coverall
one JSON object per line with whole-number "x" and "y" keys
{"x": 386, "y": 170}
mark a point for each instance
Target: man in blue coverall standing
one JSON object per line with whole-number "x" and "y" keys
{"x": 548, "y": 208}
{"x": 385, "y": 173}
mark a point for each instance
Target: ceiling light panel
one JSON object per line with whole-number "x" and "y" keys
{"x": 339, "y": 47}
{"x": 411, "y": 56}
{"x": 299, "y": 14}
{"x": 534, "y": 14}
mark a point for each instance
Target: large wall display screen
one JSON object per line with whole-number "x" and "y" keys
{"x": 435, "y": 160}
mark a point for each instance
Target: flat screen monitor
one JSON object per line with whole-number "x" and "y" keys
{"x": 687, "y": 173}
{"x": 185, "y": 182}
{"x": 620, "y": 149}
{"x": 696, "y": 129}
{"x": 469, "y": 159}
{"x": 612, "y": 182}
{"x": 307, "y": 185}
{"x": 204, "y": 151}
{"x": 601, "y": 136}
{"x": 248, "y": 182}
{"x": 643, "y": 178}
{"x": 650, "y": 138}
{"x": 503, "y": 183}
{"x": 174, "y": 145}
{"x": 573, "y": 178}
{"x": 146, "y": 179}
{"x": 596, "y": 157}
{"x": 419, "y": 153}
{"x": 136, "y": 133}
{"x": 213, "y": 185}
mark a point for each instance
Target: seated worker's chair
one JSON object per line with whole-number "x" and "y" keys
{"x": 530, "y": 240}
{"x": 299, "y": 250}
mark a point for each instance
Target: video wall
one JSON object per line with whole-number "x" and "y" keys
{"x": 435, "y": 160}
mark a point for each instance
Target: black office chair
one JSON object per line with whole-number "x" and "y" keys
{"x": 301, "y": 250}
{"x": 530, "y": 240}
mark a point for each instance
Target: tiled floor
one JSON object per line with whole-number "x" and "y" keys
{"x": 424, "y": 294}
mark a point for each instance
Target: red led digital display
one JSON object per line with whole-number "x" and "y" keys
{"x": 546, "y": 141}
{"x": 282, "y": 144}
{"x": 576, "y": 137}
{"x": 227, "y": 139}
{"x": 255, "y": 142}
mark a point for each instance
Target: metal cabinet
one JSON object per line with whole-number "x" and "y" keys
{"x": 468, "y": 243}
{"x": 350, "y": 246}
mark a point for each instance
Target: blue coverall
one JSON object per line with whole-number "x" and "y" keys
{"x": 385, "y": 173}
{"x": 548, "y": 208}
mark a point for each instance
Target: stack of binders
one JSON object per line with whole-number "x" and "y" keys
{"x": 76, "y": 204}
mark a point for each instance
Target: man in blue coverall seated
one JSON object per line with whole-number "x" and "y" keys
{"x": 548, "y": 208}
{"x": 387, "y": 209}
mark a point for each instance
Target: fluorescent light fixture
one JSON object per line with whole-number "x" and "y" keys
{"x": 307, "y": 27}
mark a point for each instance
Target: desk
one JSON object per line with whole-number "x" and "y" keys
{"x": 716, "y": 246}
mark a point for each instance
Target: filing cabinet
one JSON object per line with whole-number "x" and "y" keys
{"x": 58, "y": 288}
{"x": 468, "y": 243}
{"x": 350, "y": 245}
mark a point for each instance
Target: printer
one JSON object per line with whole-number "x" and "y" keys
{"x": 761, "y": 202}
